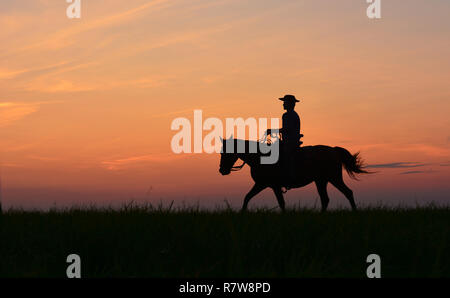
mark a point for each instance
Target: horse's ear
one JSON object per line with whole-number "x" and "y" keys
{"x": 221, "y": 139}
{"x": 231, "y": 137}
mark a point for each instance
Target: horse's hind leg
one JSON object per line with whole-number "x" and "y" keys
{"x": 322, "y": 189}
{"x": 348, "y": 193}
{"x": 256, "y": 189}
{"x": 280, "y": 197}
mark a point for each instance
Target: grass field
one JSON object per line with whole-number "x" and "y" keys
{"x": 152, "y": 242}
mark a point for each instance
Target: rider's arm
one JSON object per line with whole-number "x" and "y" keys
{"x": 278, "y": 130}
{"x": 284, "y": 123}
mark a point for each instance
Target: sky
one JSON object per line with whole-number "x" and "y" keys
{"x": 86, "y": 105}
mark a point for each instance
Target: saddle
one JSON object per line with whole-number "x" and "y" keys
{"x": 299, "y": 139}
{"x": 289, "y": 165}
{"x": 298, "y": 151}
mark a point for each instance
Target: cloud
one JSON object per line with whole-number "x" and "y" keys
{"x": 11, "y": 112}
{"x": 64, "y": 38}
{"x": 68, "y": 86}
{"x": 51, "y": 81}
{"x": 118, "y": 164}
{"x": 58, "y": 86}
{"x": 423, "y": 149}
{"x": 47, "y": 78}
{"x": 396, "y": 165}
{"x": 10, "y": 165}
{"x": 44, "y": 158}
{"x": 417, "y": 172}
{"x": 428, "y": 150}
{"x": 11, "y": 74}
{"x": 18, "y": 147}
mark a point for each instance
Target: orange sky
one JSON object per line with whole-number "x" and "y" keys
{"x": 86, "y": 104}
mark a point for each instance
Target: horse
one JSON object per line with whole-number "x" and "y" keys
{"x": 319, "y": 164}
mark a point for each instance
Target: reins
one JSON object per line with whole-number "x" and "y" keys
{"x": 237, "y": 168}
{"x": 263, "y": 139}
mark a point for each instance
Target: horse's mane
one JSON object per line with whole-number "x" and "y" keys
{"x": 239, "y": 145}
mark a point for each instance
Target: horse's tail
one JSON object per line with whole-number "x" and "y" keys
{"x": 353, "y": 164}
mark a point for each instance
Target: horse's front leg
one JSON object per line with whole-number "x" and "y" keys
{"x": 280, "y": 198}
{"x": 256, "y": 189}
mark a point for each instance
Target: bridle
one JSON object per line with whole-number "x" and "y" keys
{"x": 237, "y": 168}
{"x": 263, "y": 139}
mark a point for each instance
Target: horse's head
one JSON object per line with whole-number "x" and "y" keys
{"x": 227, "y": 159}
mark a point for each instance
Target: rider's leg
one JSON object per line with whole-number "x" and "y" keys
{"x": 291, "y": 166}
{"x": 292, "y": 171}
{"x": 285, "y": 162}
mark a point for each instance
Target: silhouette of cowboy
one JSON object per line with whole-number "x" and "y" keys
{"x": 290, "y": 136}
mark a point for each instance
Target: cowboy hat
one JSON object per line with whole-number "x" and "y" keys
{"x": 289, "y": 98}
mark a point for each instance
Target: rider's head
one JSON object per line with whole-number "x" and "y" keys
{"x": 288, "y": 105}
{"x": 289, "y": 102}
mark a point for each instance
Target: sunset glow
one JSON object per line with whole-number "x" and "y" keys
{"x": 86, "y": 104}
